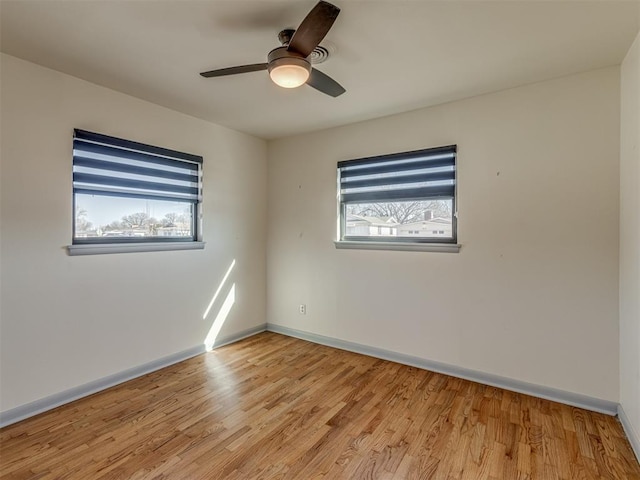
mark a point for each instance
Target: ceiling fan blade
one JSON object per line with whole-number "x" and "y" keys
{"x": 324, "y": 83}
{"x": 313, "y": 28}
{"x": 254, "y": 67}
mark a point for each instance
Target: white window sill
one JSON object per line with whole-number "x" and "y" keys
{"x": 409, "y": 247}
{"x": 91, "y": 249}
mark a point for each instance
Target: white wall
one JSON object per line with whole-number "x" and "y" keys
{"x": 67, "y": 320}
{"x": 533, "y": 294}
{"x": 630, "y": 238}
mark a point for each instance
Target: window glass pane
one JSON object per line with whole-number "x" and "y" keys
{"x": 99, "y": 216}
{"x": 418, "y": 219}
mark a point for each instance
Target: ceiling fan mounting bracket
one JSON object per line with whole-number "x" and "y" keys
{"x": 285, "y": 36}
{"x": 320, "y": 54}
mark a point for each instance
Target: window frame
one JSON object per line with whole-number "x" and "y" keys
{"x": 148, "y": 150}
{"x": 395, "y": 242}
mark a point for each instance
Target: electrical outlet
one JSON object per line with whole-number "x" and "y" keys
{"x": 302, "y": 309}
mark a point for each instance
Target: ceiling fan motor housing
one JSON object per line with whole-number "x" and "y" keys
{"x": 281, "y": 56}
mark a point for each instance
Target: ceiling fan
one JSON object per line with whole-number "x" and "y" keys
{"x": 289, "y": 66}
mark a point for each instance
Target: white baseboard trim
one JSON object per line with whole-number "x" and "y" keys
{"x": 548, "y": 393}
{"x": 22, "y": 412}
{"x": 632, "y": 435}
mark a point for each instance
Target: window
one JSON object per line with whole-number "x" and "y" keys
{"x": 409, "y": 196}
{"x": 129, "y": 192}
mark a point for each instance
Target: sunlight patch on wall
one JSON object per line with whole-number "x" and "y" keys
{"x": 215, "y": 295}
{"x": 223, "y": 313}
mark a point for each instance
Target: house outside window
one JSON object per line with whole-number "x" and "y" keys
{"x": 407, "y": 197}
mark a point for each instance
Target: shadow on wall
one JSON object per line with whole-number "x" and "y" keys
{"x": 223, "y": 310}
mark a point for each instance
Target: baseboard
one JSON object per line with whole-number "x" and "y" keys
{"x": 632, "y": 435}
{"x": 548, "y": 393}
{"x": 22, "y": 412}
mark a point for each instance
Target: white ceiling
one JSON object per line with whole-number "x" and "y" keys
{"x": 390, "y": 55}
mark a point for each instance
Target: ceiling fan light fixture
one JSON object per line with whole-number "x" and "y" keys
{"x": 289, "y": 76}
{"x": 289, "y": 72}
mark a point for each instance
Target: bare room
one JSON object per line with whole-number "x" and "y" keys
{"x": 302, "y": 239}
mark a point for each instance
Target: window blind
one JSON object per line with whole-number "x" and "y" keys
{"x": 104, "y": 165}
{"x": 422, "y": 174}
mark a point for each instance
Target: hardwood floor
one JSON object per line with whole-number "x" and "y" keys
{"x": 274, "y": 407}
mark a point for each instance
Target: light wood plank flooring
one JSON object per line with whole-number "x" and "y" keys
{"x": 274, "y": 407}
